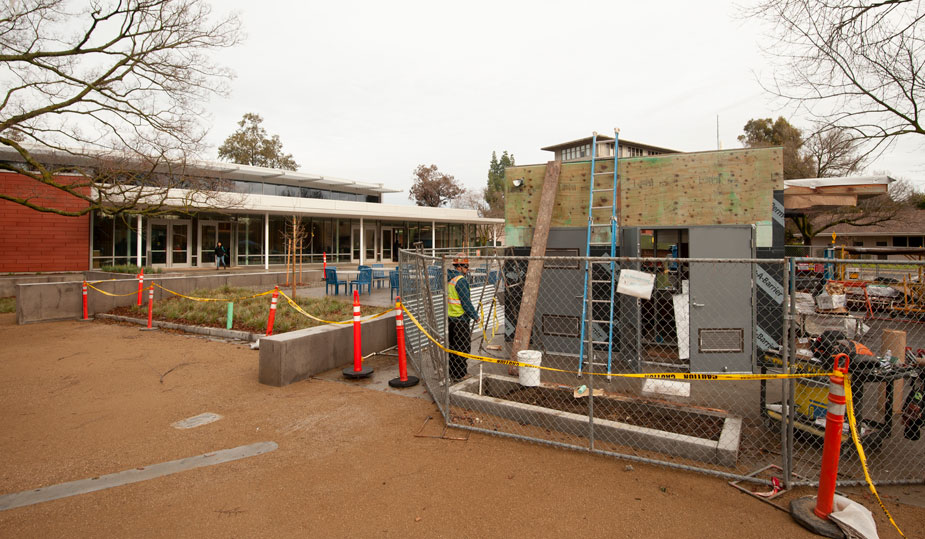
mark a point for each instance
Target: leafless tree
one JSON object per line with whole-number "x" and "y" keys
{"x": 855, "y": 65}
{"x": 475, "y": 200}
{"x": 868, "y": 212}
{"x": 101, "y": 102}
{"x": 834, "y": 153}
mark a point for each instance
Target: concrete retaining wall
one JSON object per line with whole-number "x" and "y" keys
{"x": 9, "y": 283}
{"x": 296, "y": 355}
{"x": 42, "y": 302}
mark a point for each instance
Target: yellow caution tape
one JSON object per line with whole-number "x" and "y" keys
{"x": 660, "y": 375}
{"x": 497, "y": 321}
{"x": 688, "y": 376}
{"x": 302, "y": 311}
{"x": 104, "y": 281}
{"x": 213, "y": 299}
{"x": 857, "y": 444}
{"x": 105, "y": 293}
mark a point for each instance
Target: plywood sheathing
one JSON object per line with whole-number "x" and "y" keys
{"x": 535, "y": 267}
{"x": 705, "y": 188}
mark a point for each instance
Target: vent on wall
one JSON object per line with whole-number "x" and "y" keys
{"x": 721, "y": 340}
{"x": 561, "y": 325}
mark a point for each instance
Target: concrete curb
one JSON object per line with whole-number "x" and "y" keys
{"x": 202, "y": 330}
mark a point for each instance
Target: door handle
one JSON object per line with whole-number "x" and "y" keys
{"x": 695, "y": 304}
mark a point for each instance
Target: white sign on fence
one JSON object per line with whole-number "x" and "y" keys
{"x": 636, "y": 283}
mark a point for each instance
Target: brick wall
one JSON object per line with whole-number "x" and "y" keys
{"x": 37, "y": 241}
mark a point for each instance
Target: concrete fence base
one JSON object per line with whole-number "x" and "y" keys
{"x": 296, "y": 355}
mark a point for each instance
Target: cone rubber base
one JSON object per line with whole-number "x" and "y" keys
{"x": 801, "y": 509}
{"x": 398, "y": 382}
{"x": 365, "y": 372}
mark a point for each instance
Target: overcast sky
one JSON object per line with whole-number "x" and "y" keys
{"x": 369, "y": 90}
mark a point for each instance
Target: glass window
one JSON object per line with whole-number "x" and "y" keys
{"x": 915, "y": 241}
{"x": 899, "y": 241}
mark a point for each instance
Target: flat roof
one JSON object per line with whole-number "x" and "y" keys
{"x": 604, "y": 138}
{"x": 231, "y": 171}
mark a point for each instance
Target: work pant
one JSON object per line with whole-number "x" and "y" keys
{"x": 461, "y": 341}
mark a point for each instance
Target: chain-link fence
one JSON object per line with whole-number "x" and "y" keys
{"x": 699, "y": 316}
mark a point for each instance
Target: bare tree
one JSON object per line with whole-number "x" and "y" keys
{"x": 101, "y": 101}
{"x": 856, "y": 65}
{"x": 834, "y": 153}
{"x": 868, "y": 212}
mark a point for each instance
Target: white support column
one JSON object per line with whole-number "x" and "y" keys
{"x": 138, "y": 242}
{"x": 266, "y": 241}
{"x": 494, "y": 235}
{"x": 362, "y": 242}
{"x": 433, "y": 238}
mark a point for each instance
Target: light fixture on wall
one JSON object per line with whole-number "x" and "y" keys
{"x": 518, "y": 182}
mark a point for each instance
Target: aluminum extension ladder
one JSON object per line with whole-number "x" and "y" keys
{"x": 599, "y": 273}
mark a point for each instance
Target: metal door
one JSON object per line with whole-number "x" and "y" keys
{"x": 721, "y": 312}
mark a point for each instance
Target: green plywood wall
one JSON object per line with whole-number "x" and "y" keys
{"x": 704, "y": 188}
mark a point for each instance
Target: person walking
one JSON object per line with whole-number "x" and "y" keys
{"x": 220, "y": 254}
{"x": 459, "y": 312}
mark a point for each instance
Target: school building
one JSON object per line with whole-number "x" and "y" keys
{"x": 344, "y": 219}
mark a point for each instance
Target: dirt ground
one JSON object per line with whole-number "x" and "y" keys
{"x": 78, "y": 400}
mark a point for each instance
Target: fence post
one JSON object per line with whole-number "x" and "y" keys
{"x": 817, "y": 520}
{"x": 788, "y": 304}
{"x": 357, "y": 371}
{"x": 403, "y": 379}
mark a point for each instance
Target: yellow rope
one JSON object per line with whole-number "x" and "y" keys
{"x": 687, "y": 376}
{"x": 302, "y": 311}
{"x": 115, "y": 295}
{"x": 213, "y": 299}
{"x": 497, "y": 321}
{"x": 857, "y": 444}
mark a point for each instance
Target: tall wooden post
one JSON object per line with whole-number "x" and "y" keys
{"x": 535, "y": 267}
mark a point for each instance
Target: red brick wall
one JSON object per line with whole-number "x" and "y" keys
{"x": 38, "y": 241}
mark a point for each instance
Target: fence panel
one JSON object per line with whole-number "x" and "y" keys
{"x": 703, "y": 316}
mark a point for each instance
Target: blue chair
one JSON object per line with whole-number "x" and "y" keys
{"x": 393, "y": 282}
{"x": 364, "y": 279}
{"x": 379, "y": 275}
{"x": 331, "y": 279}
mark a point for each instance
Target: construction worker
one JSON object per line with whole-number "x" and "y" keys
{"x": 459, "y": 311}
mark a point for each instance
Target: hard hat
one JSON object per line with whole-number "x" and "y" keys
{"x": 461, "y": 258}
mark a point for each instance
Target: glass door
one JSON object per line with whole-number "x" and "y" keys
{"x": 355, "y": 244}
{"x": 169, "y": 242}
{"x": 208, "y": 238}
{"x": 157, "y": 231}
{"x": 370, "y": 245}
{"x": 179, "y": 244}
{"x": 387, "y": 244}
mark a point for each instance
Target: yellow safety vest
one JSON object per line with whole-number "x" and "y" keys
{"x": 454, "y": 309}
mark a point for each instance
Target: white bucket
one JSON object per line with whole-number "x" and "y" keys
{"x": 530, "y": 376}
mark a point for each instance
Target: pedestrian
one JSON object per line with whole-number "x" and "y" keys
{"x": 220, "y": 254}
{"x": 460, "y": 313}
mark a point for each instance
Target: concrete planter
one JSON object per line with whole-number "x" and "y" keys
{"x": 297, "y": 355}
{"x": 723, "y": 451}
